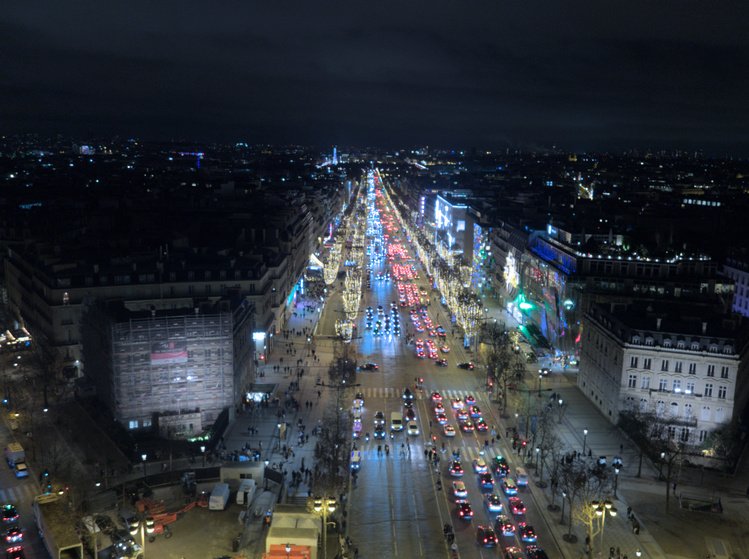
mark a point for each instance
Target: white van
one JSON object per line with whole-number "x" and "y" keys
{"x": 396, "y": 421}
{"x": 521, "y": 477}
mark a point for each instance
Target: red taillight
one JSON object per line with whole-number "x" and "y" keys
{"x": 485, "y": 540}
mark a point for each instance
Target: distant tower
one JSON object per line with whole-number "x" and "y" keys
{"x": 335, "y": 156}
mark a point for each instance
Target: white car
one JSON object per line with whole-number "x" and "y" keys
{"x": 448, "y": 430}
{"x": 459, "y": 490}
{"x": 412, "y": 428}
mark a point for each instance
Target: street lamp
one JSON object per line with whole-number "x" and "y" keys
{"x": 660, "y": 466}
{"x": 202, "y": 451}
{"x": 616, "y": 481}
{"x": 585, "y": 438}
{"x": 564, "y": 496}
{"x": 538, "y": 450}
{"x": 143, "y": 456}
{"x": 561, "y": 409}
{"x": 145, "y": 523}
{"x": 601, "y": 510}
{"x": 325, "y": 506}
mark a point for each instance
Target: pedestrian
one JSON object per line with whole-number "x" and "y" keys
{"x": 673, "y": 487}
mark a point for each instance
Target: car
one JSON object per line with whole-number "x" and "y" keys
{"x": 464, "y": 510}
{"x": 508, "y": 486}
{"x": 10, "y": 514}
{"x": 505, "y": 526}
{"x": 513, "y": 553}
{"x": 407, "y": 395}
{"x": 441, "y": 362}
{"x": 448, "y": 430}
{"x": 359, "y": 400}
{"x": 492, "y": 502}
{"x": 466, "y": 426}
{"x": 456, "y": 403}
{"x": 439, "y": 408}
{"x": 15, "y": 552}
{"x": 379, "y": 432}
{"x": 535, "y": 552}
{"x": 479, "y": 466}
{"x": 20, "y": 469}
{"x": 379, "y": 418}
{"x": 412, "y": 428}
{"x": 485, "y": 536}
{"x": 461, "y": 414}
{"x": 368, "y": 367}
{"x": 444, "y": 349}
{"x": 486, "y": 481}
{"x": 105, "y": 523}
{"x": 459, "y": 490}
{"x": 481, "y": 425}
{"x": 13, "y": 535}
{"x": 441, "y": 419}
{"x": 500, "y": 466}
{"x": 410, "y": 414}
{"x": 475, "y": 412}
{"x": 436, "y": 397}
{"x": 357, "y": 428}
{"x": 527, "y": 534}
{"x": 468, "y": 366}
{"x": 516, "y": 505}
{"x": 456, "y": 469}
{"x": 470, "y": 400}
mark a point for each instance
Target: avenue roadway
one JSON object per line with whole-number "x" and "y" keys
{"x": 395, "y": 510}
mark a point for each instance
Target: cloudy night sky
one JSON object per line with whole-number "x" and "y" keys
{"x": 579, "y": 75}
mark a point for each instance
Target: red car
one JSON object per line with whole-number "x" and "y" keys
{"x": 516, "y": 505}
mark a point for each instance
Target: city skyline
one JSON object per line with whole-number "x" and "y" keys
{"x": 488, "y": 76}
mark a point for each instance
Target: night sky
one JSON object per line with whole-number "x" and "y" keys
{"x": 579, "y": 75}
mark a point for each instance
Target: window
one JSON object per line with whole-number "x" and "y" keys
{"x": 703, "y": 436}
{"x": 722, "y": 392}
{"x": 687, "y": 411}
{"x": 708, "y": 390}
{"x": 649, "y": 341}
{"x": 664, "y": 365}
{"x": 643, "y": 405}
{"x": 674, "y": 409}
{"x": 695, "y": 346}
{"x": 711, "y": 370}
{"x": 680, "y": 344}
{"x": 461, "y": 225}
{"x": 690, "y": 387}
{"x": 646, "y": 363}
{"x": 677, "y": 366}
{"x": 632, "y": 381}
{"x": 629, "y": 403}
{"x": 671, "y": 432}
{"x": 684, "y": 434}
{"x": 724, "y": 372}
{"x": 645, "y": 383}
{"x": 705, "y": 413}
{"x": 207, "y": 275}
{"x": 677, "y": 385}
{"x": 172, "y": 276}
{"x": 660, "y": 407}
{"x": 692, "y": 368}
{"x": 133, "y": 423}
{"x": 633, "y": 362}
{"x": 663, "y": 384}
{"x": 720, "y": 415}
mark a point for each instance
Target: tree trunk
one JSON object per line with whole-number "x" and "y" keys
{"x": 639, "y": 469}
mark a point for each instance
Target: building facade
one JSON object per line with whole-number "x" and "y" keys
{"x": 688, "y": 370}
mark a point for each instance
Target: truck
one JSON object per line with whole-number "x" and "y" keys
{"x": 246, "y": 492}
{"x": 14, "y": 453}
{"x": 219, "y": 497}
{"x": 55, "y": 524}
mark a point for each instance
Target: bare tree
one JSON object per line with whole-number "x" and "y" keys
{"x": 504, "y": 365}
{"x": 584, "y": 485}
{"x": 343, "y": 365}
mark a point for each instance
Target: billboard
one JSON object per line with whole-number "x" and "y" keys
{"x": 163, "y": 353}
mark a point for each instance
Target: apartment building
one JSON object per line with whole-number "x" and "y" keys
{"x": 688, "y": 364}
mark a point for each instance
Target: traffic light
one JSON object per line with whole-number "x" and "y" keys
{"x": 525, "y": 443}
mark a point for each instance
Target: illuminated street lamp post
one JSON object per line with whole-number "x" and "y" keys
{"x": 143, "y": 457}
{"x": 202, "y": 451}
{"x": 601, "y": 510}
{"x": 564, "y": 496}
{"x": 616, "y": 481}
{"x": 324, "y": 505}
{"x": 585, "y": 439}
{"x": 145, "y": 523}
{"x": 561, "y": 409}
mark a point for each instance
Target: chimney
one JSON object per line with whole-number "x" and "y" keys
{"x": 658, "y": 323}
{"x": 704, "y": 328}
